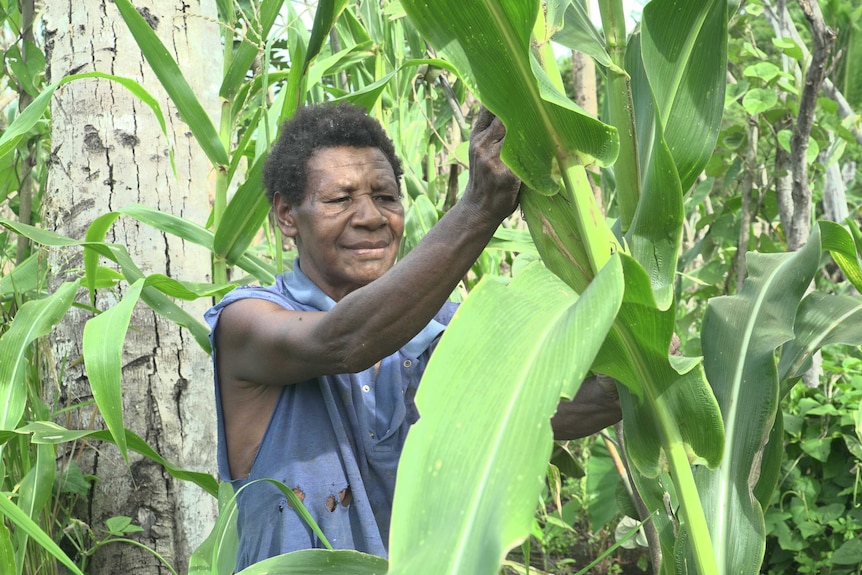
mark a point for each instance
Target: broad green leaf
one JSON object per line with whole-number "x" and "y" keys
{"x": 739, "y": 338}
{"x": 151, "y": 296}
{"x": 325, "y": 15}
{"x": 841, "y": 246}
{"x": 789, "y": 47}
{"x": 249, "y": 48}
{"x": 579, "y": 33}
{"x": 320, "y": 562}
{"x": 850, "y": 553}
{"x": 822, "y": 319}
{"x": 217, "y": 554}
{"x": 765, "y": 71}
{"x": 759, "y": 100}
{"x": 35, "y": 493}
{"x": 685, "y": 58}
{"x": 25, "y": 277}
{"x": 36, "y": 318}
{"x": 174, "y": 83}
{"x": 852, "y": 88}
{"x": 243, "y": 216}
{"x": 420, "y": 218}
{"x": 51, "y": 433}
{"x": 104, "y": 336}
{"x": 655, "y": 229}
{"x": 26, "y": 120}
{"x": 7, "y": 552}
{"x": 20, "y": 520}
{"x": 477, "y": 445}
{"x": 489, "y": 43}
{"x": 171, "y": 224}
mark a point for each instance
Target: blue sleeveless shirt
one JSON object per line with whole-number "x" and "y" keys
{"x": 327, "y": 438}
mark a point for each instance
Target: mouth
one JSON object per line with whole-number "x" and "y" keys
{"x": 369, "y": 248}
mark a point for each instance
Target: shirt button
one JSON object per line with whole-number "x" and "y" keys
{"x": 365, "y": 388}
{"x": 372, "y": 435}
{"x": 407, "y": 363}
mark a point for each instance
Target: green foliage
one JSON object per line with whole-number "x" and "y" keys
{"x": 675, "y": 146}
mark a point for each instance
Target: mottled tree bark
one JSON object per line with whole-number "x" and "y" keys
{"x": 108, "y": 151}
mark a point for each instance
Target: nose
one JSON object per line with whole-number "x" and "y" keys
{"x": 367, "y": 213}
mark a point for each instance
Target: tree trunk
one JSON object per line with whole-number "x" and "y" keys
{"x": 108, "y": 151}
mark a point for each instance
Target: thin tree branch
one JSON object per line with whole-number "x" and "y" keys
{"x": 822, "y": 37}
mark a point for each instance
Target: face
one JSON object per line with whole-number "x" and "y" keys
{"x": 348, "y": 226}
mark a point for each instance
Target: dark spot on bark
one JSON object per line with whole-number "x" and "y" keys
{"x": 345, "y": 496}
{"x": 81, "y": 28}
{"x": 331, "y": 503}
{"x": 150, "y": 18}
{"x": 126, "y": 139}
{"x": 180, "y": 387}
{"x": 300, "y": 494}
{"x": 92, "y": 141}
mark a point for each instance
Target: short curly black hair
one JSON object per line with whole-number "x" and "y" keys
{"x": 313, "y": 128}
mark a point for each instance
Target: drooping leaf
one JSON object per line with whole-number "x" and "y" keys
{"x": 489, "y": 43}
{"x": 51, "y": 433}
{"x": 319, "y": 562}
{"x": 21, "y": 521}
{"x": 579, "y": 33}
{"x": 249, "y": 48}
{"x": 35, "y": 492}
{"x": 685, "y": 58}
{"x": 34, "y": 319}
{"x": 479, "y": 453}
{"x": 739, "y": 337}
{"x": 243, "y": 216}
{"x": 174, "y": 83}
{"x": 822, "y": 319}
{"x": 104, "y": 336}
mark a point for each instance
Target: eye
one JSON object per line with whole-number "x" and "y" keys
{"x": 387, "y": 198}
{"x": 338, "y": 200}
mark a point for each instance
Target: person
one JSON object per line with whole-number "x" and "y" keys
{"x": 315, "y": 376}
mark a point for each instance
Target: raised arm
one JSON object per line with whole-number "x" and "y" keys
{"x": 260, "y": 343}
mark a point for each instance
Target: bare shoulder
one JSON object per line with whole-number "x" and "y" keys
{"x": 259, "y": 342}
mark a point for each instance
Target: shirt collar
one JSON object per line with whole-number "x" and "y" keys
{"x": 301, "y": 289}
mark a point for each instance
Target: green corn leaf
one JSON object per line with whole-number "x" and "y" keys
{"x": 151, "y": 296}
{"x": 249, "y": 48}
{"x": 477, "y": 445}
{"x": 685, "y": 55}
{"x": 840, "y": 245}
{"x": 26, "y": 120}
{"x": 243, "y": 216}
{"x": 7, "y": 552}
{"x": 35, "y": 492}
{"x": 319, "y": 561}
{"x": 36, "y": 318}
{"x": 739, "y": 338}
{"x": 25, "y": 277}
{"x": 20, "y": 520}
{"x": 420, "y": 218}
{"x": 579, "y": 33}
{"x": 48, "y": 432}
{"x": 325, "y": 15}
{"x": 104, "y": 336}
{"x": 489, "y": 43}
{"x": 655, "y": 230}
{"x": 174, "y": 83}
{"x": 171, "y": 224}
{"x": 852, "y": 71}
{"x": 217, "y": 554}
{"x": 822, "y": 319}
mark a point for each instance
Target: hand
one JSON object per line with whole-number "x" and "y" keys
{"x": 491, "y": 185}
{"x": 595, "y": 406}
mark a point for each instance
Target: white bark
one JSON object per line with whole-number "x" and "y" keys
{"x": 108, "y": 151}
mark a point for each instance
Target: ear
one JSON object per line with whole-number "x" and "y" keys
{"x": 284, "y": 215}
